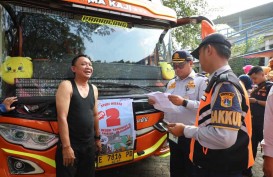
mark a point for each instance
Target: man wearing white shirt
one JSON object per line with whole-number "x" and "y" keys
{"x": 267, "y": 143}
{"x": 185, "y": 91}
{"x": 221, "y": 143}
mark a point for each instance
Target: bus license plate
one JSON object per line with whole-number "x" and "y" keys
{"x": 109, "y": 159}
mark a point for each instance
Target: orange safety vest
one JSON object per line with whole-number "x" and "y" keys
{"x": 235, "y": 158}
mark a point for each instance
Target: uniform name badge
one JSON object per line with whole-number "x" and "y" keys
{"x": 173, "y": 138}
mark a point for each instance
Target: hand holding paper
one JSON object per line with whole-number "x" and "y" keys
{"x": 162, "y": 102}
{"x": 176, "y": 99}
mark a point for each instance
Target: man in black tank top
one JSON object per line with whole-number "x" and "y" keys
{"x": 76, "y": 102}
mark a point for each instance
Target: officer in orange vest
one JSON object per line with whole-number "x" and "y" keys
{"x": 221, "y": 143}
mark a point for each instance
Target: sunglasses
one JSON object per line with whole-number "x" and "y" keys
{"x": 179, "y": 65}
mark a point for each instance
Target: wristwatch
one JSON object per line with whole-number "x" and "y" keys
{"x": 97, "y": 137}
{"x": 185, "y": 103}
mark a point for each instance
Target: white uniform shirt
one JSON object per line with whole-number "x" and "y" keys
{"x": 209, "y": 136}
{"x": 191, "y": 88}
{"x": 267, "y": 143}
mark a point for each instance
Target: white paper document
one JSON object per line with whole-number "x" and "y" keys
{"x": 162, "y": 102}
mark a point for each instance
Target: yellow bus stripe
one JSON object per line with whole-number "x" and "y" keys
{"x": 165, "y": 155}
{"x": 48, "y": 161}
{"x": 51, "y": 162}
{"x": 153, "y": 148}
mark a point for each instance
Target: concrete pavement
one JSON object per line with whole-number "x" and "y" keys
{"x": 257, "y": 169}
{"x": 159, "y": 167}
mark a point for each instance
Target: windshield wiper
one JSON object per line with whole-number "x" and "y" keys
{"x": 130, "y": 85}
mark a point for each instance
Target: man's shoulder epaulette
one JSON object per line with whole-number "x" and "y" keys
{"x": 200, "y": 75}
{"x": 171, "y": 81}
{"x": 269, "y": 83}
{"x": 225, "y": 77}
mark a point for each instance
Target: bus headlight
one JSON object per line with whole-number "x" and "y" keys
{"x": 27, "y": 137}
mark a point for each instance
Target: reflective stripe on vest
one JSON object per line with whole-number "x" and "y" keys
{"x": 204, "y": 117}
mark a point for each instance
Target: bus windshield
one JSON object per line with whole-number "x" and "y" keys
{"x": 123, "y": 53}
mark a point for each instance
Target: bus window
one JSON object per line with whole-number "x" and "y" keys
{"x": 50, "y": 40}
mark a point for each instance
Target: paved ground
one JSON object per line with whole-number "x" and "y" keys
{"x": 149, "y": 167}
{"x": 159, "y": 167}
{"x": 258, "y": 167}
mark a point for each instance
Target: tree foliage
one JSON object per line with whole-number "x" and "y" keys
{"x": 55, "y": 37}
{"x": 237, "y": 62}
{"x": 187, "y": 36}
{"x": 251, "y": 45}
{"x": 47, "y": 37}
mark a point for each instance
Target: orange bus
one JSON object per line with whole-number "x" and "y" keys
{"x": 130, "y": 44}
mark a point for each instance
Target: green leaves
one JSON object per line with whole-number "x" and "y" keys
{"x": 249, "y": 46}
{"x": 187, "y": 36}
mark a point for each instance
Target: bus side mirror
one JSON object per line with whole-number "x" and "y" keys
{"x": 207, "y": 26}
{"x": 206, "y": 29}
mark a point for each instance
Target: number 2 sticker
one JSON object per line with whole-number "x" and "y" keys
{"x": 113, "y": 117}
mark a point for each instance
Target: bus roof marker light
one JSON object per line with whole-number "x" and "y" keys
{"x": 106, "y": 11}
{"x": 102, "y": 10}
{"x": 92, "y": 8}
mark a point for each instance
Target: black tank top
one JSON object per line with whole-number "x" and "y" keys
{"x": 80, "y": 116}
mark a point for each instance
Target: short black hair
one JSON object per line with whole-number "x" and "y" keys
{"x": 221, "y": 49}
{"x": 74, "y": 60}
{"x": 255, "y": 69}
{"x": 246, "y": 80}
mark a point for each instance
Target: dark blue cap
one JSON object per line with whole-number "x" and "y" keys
{"x": 214, "y": 38}
{"x": 181, "y": 56}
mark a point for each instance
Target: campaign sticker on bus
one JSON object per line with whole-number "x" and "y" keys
{"x": 104, "y": 21}
{"x": 116, "y": 121}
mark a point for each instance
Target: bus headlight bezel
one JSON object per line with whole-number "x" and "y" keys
{"x": 28, "y": 137}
